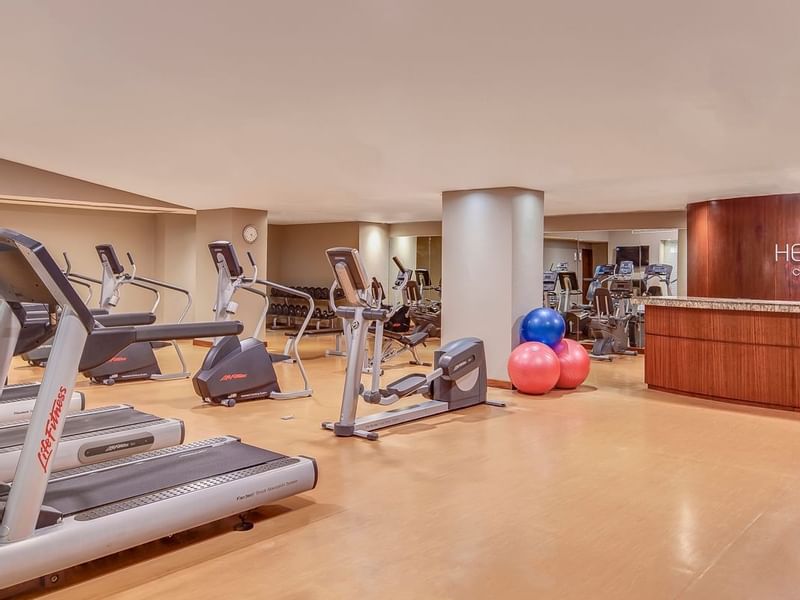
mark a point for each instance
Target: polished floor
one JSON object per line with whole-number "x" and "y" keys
{"x": 610, "y": 491}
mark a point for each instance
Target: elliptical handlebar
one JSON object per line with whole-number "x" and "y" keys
{"x": 254, "y": 279}
{"x": 296, "y": 346}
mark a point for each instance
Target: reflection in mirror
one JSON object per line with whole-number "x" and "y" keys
{"x": 626, "y": 263}
{"x": 422, "y": 254}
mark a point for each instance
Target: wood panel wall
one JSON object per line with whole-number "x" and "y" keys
{"x": 748, "y": 357}
{"x": 731, "y": 247}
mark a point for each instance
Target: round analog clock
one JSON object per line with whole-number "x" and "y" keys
{"x": 250, "y": 234}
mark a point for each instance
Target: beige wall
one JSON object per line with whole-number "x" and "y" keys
{"x": 297, "y": 252}
{"x": 176, "y": 263}
{"x": 671, "y": 219}
{"x": 415, "y": 228}
{"x": 23, "y": 182}
{"x": 77, "y": 231}
{"x": 227, "y": 224}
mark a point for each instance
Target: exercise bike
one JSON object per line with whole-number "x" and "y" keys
{"x": 237, "y": 369}
{"x": 458, "y": 379}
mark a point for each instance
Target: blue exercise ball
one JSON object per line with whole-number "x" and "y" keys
{"x": 543, "y": 325}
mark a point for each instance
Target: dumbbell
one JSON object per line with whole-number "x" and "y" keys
{"x": 304, "y": 311}
{"x": 317, "y": 314}
{"x": 284, "y": 309}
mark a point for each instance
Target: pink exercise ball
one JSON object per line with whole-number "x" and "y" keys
{"x": 575, "y": 363}
{"x": 533, "y": 368}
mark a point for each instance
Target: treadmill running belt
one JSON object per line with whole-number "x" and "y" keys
{"x": 19, "y": 391}
{"x": 80, "y": 424}
{"x": 97, "y": 488}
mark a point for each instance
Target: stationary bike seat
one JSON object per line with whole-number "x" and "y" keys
{"x": 405, "y": 386}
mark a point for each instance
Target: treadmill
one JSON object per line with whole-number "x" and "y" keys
{"x": 89, "y": 436}
{"x": 51, "y": 524}
{"x": 32, "y": 328}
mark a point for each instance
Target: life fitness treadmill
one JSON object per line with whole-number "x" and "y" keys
{"x": 88, "y": 437}
{"x": 53, "y": 523}
{"x": 32, "y": 328}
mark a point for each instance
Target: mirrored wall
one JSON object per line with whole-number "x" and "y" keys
{"x": 419, "y": 253}
{"x": 583, "y": 251}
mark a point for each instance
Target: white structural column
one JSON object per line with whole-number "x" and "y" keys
{"x": 492, "y": 263}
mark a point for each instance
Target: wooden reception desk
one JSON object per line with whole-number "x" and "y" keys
{"x": 745, "y": 351}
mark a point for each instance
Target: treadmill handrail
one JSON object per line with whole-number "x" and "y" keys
{"x": 106, "y": 342}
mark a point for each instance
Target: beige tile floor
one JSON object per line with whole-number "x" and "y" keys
{"x": 611, "y": 491}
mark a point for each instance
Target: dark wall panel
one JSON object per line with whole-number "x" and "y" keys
{"x": 731, "y": 247}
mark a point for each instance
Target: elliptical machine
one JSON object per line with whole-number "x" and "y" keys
{"x": 137, "y": 361}
{"x": 457, "y": 381}
{"x": 237, "y": 369}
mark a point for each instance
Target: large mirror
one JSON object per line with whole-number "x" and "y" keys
{"x": 422, "y": 255}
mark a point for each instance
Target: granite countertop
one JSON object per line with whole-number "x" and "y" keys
{"x": 743, "y": 304}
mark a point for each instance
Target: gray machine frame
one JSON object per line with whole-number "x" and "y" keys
{"x": 352, "y": 279}
{"x": 230, "y": 278}
{"x": 36, "y": 540}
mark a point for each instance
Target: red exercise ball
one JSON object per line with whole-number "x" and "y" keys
{"x": 533, "y": 368}
{"x": 575, "y": 364}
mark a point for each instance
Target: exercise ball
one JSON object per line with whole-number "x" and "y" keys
{"x": 574, "y": 361}
{"x": 533, "y": 368}
{"x": 543, "y": 325}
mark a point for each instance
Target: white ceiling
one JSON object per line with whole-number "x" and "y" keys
{"x": 367, "y": 109}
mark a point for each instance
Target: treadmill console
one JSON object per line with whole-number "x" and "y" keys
{"x": 109, "y": 256}
{"x": 625, "y": 268}
{"x": 621, "y": 287}
{"x": 658, "y": 270}
{"x": 604, "y": 270}
{"x": 226, "y": 252}
{"x": 568, "y": 281}
{"x": 549, "y": 281}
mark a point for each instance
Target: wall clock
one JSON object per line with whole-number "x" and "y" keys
{"x": 250, "y": 234}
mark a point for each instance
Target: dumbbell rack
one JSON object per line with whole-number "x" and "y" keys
{"x": 286, "y": 314}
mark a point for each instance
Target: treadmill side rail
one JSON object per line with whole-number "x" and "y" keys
{"x": 17, "y": 406}
{"x": 83, "y": 537}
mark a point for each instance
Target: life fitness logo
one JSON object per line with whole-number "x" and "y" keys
{"x": 789, "y": 254}
{"x": 233, "y": 376}
{"x": 47, "y": 444}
